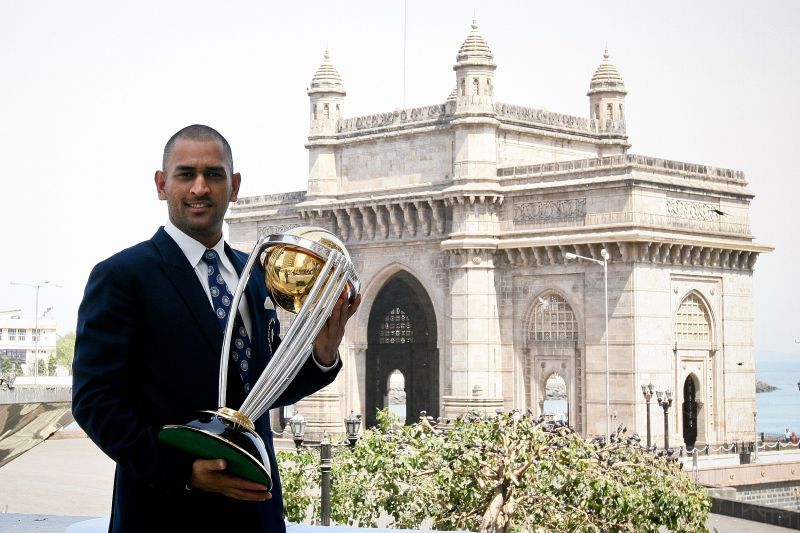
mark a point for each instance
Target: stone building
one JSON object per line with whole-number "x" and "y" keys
{"x": 459, "y": 217}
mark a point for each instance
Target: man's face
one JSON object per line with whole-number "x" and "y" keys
{"x": 197, "y": 184}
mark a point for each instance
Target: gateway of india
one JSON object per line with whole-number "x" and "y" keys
{"x": 460, "y": 216}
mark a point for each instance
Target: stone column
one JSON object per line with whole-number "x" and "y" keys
{"x": 475, "y": 357}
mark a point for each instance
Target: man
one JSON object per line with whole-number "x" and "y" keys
{"x": 147, "y": 353}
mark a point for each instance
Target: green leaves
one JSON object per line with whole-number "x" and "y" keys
{"x": 503, "y": 473}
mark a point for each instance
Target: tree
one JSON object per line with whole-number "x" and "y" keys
{"x": 65, "y": 351}
{"x": 51, "y": 365}
{"x": 500, "y": 474}
{"x": 6, "y": 365}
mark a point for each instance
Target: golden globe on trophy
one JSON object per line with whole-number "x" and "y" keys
{"x": 305, "y": 270}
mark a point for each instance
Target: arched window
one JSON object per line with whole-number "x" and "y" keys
{"x": 621, "y": 113}
{"x": 314, "y": 107}
{"x": 463, "y": 88}
{"x": 692, "y": 323}
{"x": 488, "y": 87}
{"x": 475, "y": 87}
{"x": 326, "y": 111}
{"x": 597, "y": 111}
{"x": 609, "y": 111}
{"x": 552, "y": 320}
{"x": 396, "y": 328}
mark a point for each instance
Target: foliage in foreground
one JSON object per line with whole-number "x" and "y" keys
{"x": 504, "y": 473}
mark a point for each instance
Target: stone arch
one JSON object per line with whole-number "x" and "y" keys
{"x": 547, "y": 355}
{"x": 691, "y": 411}
{"x": 394, "y": 399}
{"x": 549, "y": 409}
{"x": 402, "y": 335}
{"x": 694, "y": 340}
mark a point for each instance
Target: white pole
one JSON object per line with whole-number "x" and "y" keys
{"x": 608, "y": 420}
{"x": 36, "y": 339}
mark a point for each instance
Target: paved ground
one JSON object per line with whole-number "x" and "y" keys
{"x": 68, "y": 480}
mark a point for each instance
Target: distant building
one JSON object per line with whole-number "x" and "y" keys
{"x": 20, "y": 338}
{"x": 459, "y": 217}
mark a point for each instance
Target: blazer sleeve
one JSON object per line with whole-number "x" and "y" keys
{"x": 104, "y": 381}
{"x": 309, "y": 379}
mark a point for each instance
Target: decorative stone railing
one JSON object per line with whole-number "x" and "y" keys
{"x": 573, "y": 217}
{"x": 429, "y": 113}
{"x": 629, "y": 160}
{"x": 544, "y": 117}
{"x": 273, "y": 199}
{"x": 444, "y": 112}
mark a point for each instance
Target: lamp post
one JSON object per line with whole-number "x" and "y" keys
{"x": 665, "y": 401}
{"x": 352, "y": 423}
{"x": 648, "y": 390}
{"x": 298, "y": 425}
{"x": 755, "y": 440}
{"x": 604, "y": 263}
{"x": 36, "y": 286}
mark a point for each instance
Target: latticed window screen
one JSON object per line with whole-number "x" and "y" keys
{"x": 396, "y": 328}
{"x": 552, "y": 320}
{"x": 692, "y": 322}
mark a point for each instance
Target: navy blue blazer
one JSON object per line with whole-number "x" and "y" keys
{"x": 147, "y": 354}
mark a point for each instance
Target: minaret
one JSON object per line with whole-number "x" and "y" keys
{"x": 475, "y": 75}
{"x": 475, "y": 123}
{"x": 607, "y": 98}
{"x": 326, "y": 96}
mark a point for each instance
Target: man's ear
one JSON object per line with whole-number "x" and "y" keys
{"x": 236, "y": 180}
{"x": 159, "y": 179}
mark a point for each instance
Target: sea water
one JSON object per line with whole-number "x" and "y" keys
{"x": 778, "y": 409}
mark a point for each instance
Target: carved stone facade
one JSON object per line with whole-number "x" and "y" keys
{"x": 459, "y": 217}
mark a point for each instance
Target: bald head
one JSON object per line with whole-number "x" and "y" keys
{"x": 198, "y": 132}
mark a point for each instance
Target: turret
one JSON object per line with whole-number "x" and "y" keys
{"x": 607, "y": 98}
{"x": 474, "y": 75}
{"x": 327, "y": 99}
{"x": 326, "y": 96}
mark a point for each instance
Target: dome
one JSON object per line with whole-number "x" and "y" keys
{"x": 327, "y": 78}
{"x": 606, "y": 78}
{"x": 475, "y": 49}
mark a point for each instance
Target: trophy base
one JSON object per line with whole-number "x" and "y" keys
{"x": 223, "y": 434}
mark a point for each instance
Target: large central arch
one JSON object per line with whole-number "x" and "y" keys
{"x": 401, "y": 335}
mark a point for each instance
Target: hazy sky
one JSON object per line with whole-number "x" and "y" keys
{"x": 90, "y": 91}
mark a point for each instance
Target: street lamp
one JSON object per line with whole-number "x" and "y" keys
{"x": 648, "y": 390}
{"x": 297, "y": 425}
{"x": 604, "y": 262}
{"x": 351, "y": 425}
{"x": 36, "y": 286}
{"x": 665, "y": 401}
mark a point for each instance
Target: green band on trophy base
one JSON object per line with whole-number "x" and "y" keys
{"x": 214, "y": 437}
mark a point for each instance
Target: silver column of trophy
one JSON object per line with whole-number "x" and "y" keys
{"x": 305, "y": 270}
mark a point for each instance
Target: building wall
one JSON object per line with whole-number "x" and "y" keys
{"x": 396, "y": 162}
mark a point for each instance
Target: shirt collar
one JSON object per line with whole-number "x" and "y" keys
{"x": 194, "y": 250}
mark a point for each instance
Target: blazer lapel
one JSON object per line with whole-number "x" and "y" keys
{"x": 183, "y": 277}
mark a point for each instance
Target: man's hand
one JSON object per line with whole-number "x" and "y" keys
{"x": 208, "y": 475}
{"x": 330, "y": 336}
